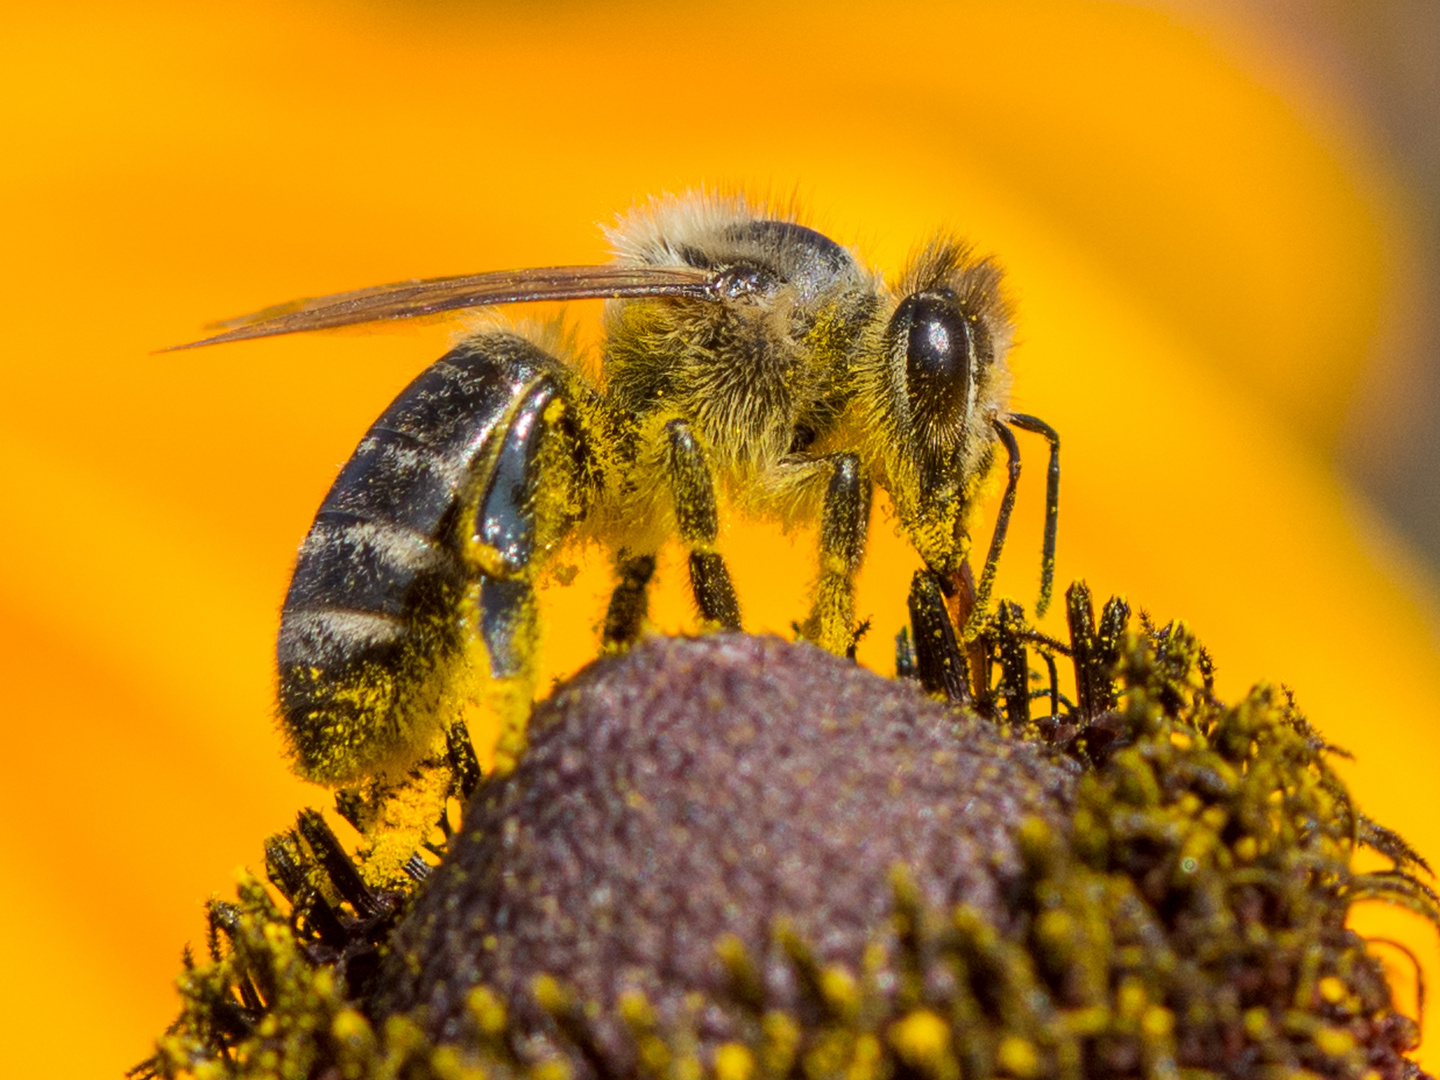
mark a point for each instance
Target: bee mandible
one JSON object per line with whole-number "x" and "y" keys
{"x": 748, "y": 361}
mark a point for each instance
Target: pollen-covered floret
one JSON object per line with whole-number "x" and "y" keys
{"x": 742, "y": 858}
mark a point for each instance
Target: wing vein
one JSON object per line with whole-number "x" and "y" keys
{"x": 432, "y": 296}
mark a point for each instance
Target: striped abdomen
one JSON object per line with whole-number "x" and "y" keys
{"x": 371, "y": 633}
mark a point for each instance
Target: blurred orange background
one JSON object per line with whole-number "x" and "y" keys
{"x": 1205, "y": 247}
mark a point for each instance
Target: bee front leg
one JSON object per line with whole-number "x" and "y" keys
{"x": 843, "y": 525}
{"x": 981, "y": 605}
{"x": 939, "y": 661}
{"x": 698, "y": 520}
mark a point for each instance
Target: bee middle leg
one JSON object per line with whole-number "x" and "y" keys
{"x": 630, "y": 602}
{"x": 844, "y": 522}
{"x": 698, "y": 520}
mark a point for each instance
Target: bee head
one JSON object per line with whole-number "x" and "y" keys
{"x": 947, "y": 341}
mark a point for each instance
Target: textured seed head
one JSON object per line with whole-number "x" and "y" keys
{"x": 699, "y": 791}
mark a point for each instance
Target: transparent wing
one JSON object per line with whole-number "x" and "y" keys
{"x": 408, "y": 299}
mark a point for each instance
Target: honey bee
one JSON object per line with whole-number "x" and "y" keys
{"x": 748, "y": 362}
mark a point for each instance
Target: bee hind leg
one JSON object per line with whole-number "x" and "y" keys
{"x": 699, "y": 524}
{"x": 506, "y": 529}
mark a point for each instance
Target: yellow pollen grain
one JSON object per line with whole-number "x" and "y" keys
{"x": 1018, "y": 1057}
{"x": 733, "y": 1062}
{"x": 865, "y": 1060}
{"x": 1157, "y": 1022}
{"x": 635, "y": 1009}
{"x": 839, "y": 988}
{"x": 488, "y": 1010}
{"x": 548, "y": 993}
{"x": 921, "y": 1036}
{"x": 351, "y": 1030}
{"x": 1334, "y": 1042}
{"x": 1332, "y": 990}
{"x": 1257, "y": 1024}
{"x": 1131, "y": 998}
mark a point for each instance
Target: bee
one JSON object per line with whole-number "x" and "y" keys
{"x": 748, "y": 363}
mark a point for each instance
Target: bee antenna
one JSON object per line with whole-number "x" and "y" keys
{"x": 1052, "y": 504}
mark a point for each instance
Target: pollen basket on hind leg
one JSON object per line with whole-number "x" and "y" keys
{"x": 373, "y": 639}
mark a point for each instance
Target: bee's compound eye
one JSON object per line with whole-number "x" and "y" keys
{"x": 939, "y": 353}
{"x": 938, "y": 343}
